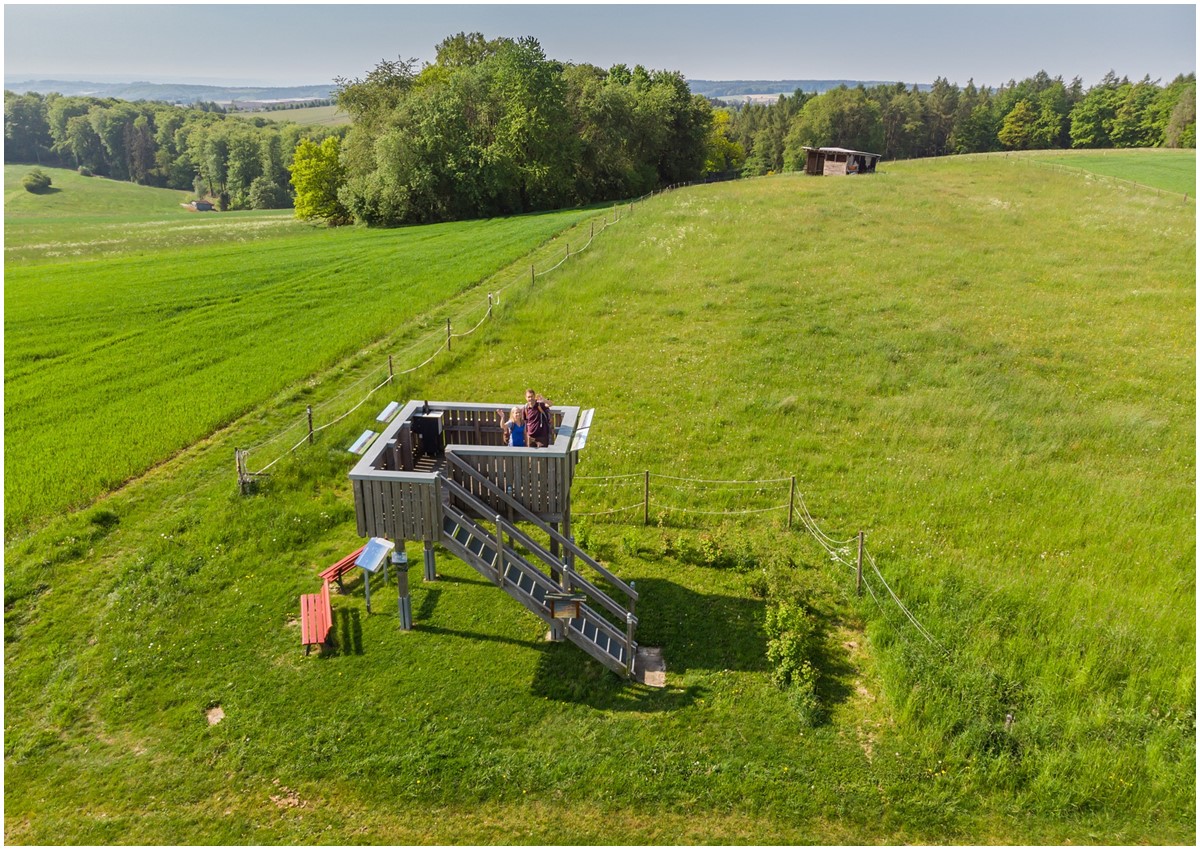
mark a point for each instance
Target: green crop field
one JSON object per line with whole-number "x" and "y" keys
{"x": 987, "y": 367}
{"x": 320, "y": 116}
{"x": 1169, "y": 170}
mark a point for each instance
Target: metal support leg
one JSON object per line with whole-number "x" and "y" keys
{"x": 405, "y": 600}
{"x": 430, "y": 563}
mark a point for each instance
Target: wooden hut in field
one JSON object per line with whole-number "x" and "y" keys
{"x": 839, "y": 161}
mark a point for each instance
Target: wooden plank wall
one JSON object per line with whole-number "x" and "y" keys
{"x": 398, "y": 510}
{"x": 472, "y": 427}
{"x": 540, "y": 482}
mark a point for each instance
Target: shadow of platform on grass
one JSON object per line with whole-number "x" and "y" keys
{"x": 701, "y": 631}
{"x": 696, "y": 631}
{"x": 566, "y": 674}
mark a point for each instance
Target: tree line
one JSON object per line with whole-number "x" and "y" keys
{"x": 240, "y": 163}
{"x": 495, "y": 127}
{"x": 902, "y": 122}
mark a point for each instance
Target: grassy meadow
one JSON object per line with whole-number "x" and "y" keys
{"x": 988, "y": 368}
{"x": 179, "y": 338}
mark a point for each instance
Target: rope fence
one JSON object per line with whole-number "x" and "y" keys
{"x": 839, "y": 551}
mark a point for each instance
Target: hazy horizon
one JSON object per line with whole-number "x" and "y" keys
{"x": 297, "y": 45}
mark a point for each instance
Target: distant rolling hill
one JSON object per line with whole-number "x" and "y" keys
{"x": 192, "y": 93}
{"x": 174, "y": 92}
{"x": 744, "y": 89}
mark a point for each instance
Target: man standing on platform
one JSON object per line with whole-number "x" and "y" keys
{"x": 537, "y": 420}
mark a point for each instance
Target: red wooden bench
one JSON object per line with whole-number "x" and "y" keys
{"x": 336, "y": 571}
{"x": 316, "y": 618}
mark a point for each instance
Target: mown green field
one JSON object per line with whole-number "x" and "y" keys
{"x": 87, "y": 218}
{"x": 987, "y": 368}
{"x": 1169, "y": 170}
{"x": 127, "y": 359}
{"x": 321, "y": 116}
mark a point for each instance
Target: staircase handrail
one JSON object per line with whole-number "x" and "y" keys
{"x": 561, "y": 539}
{"x": 577, "y": 581}
{"x": 514, "y": 558}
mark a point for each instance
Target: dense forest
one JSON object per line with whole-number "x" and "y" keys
{"x": 494, "y": 127}
{"x": 241, "y": 163}
{"x": 902, "y": 122}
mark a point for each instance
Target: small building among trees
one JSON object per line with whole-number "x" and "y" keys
{"x": 839, "y": 161}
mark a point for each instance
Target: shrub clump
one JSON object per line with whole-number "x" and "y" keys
{"x": 84, "y": 171}
{"x": 791, "y": 640}
{"x": 36, "y": 181}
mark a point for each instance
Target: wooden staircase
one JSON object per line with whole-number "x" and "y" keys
{"x": 531, "y": 573}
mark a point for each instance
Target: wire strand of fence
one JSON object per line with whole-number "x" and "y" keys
{"x": 920, "y": 628}
{"x": 607, "y": 477}
{"x": 553, "y": 267}
{"x": 316, "y": 430}
{"x": 374, "y": 390}
{"x": 262, "y": 471}
{"x": 604, "y": 513}
{"x": 477, "y": 325}
{"x": 741, "y": 486}
{"x": 715, "y": 513}
{"x": 816, "y": 530}
{"x": 723, "y": 480}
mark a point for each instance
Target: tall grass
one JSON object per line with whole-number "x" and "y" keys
{"x": 989, "y": 370}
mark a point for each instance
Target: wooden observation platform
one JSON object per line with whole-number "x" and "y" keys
{"x": 440, "y": 473}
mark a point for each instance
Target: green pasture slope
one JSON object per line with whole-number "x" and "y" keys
{"x": 989, "y": 368}
{"x": 130, "y": 358}
{"x": 1160, "y": 168}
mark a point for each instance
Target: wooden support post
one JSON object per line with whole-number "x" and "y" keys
{"x": 792, "y": 502}
{"x": 555, "y": 574}
{"x": 308, "y": 409}
{"x": 646, "y": 500}
{"x": 367, "y": 589}
{"x": 858, "y": 585}
{"x": 430, "y": 562}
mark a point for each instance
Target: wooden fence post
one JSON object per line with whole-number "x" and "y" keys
{"x": 308, "y": 409}
{"x": 646, "y": 500}
{"x": 792, "y": 502}
{"x": 239, "y": 458}
{"x": 532, "y": 276}
{"x": 858, "y": 583}
{"x": 391, "y": 371}
{"x": 447, "y": 334}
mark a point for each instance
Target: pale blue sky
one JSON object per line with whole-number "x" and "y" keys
{"x": 304, "y": 44}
